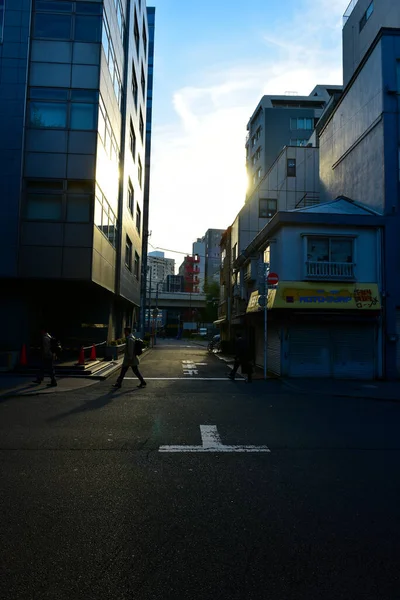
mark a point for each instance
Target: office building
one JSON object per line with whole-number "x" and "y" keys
{"x": 159, "y": 268}
{"x": 280, "y": 121}
{"x": 72, "y": 165}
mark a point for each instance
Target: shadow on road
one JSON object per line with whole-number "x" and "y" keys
{"x": 88, "y": 405}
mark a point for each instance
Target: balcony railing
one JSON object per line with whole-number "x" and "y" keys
{"x": 329, "y": 270}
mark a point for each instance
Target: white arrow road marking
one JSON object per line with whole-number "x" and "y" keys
{"x": 211, "y": 442}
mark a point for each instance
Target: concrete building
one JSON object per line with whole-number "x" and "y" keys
{"x": 212, "y": 240}
{"x": 199, "y": 251}
{"x": 174, "y": 283}
{"x": 190, "y": 271}
{"x": 325, "y": 314}
{"x": 359, "y": 144}
{"x": 151, "y": 13}
{"x": 280, "y": 121}
{"x": 361, "y": 24}
{"x": 72, "y": 159}
{"x": 159, "y": 268}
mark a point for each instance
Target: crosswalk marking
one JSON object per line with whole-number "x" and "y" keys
{"x": 186, "y": 379}
{"x": 211, "y": 442}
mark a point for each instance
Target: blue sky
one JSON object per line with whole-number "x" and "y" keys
{"x": 213, "y": 63}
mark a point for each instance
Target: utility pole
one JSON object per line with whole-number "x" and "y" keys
{"x": 143, "y": 284}
{"x": 149, "y": 322}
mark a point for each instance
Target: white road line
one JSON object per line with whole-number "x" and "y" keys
{"x": 211, "y": 442}
{"x": 186, "y": 379}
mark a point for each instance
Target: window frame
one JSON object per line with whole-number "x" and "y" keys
{"x": 128, "y": 253}
{"x": 267, "y": 209}
{"x": 130, "y": 197}
{"x": 136, "y": 266}
{"x": 330, "y": 239}
{"x": 291, "y": 169}
{"x": 366, "y": 16}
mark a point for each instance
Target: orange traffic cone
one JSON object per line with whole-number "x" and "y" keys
{"x": 93, "y": 353}
{"x": 81, "y": 360}
{"x": 22, "y": 358}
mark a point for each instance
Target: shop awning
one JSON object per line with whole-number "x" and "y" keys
{"x": 316, "y": 296}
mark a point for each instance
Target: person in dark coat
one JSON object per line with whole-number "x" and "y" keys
{"x": 47, "y": 359}
{"x": 242, "y": 359}
{"x": 130, "y": 360}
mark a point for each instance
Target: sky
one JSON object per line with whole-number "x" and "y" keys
{"x": 213, "y": 62}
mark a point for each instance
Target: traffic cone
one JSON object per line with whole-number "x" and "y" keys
{"x": 93, "y": 353}
{"x": 22, "y": 358}
{"x": 81, "y": 360}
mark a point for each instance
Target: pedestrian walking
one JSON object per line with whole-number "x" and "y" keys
{"x": 130, "y": 359}
{"x": 242, "y": 359}
{"x": 48, "y": 345}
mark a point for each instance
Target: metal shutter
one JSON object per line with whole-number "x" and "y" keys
{"x": 259, "y": 347}
{"x": 354, "y": 351}
{"x": 398, "y": 341}
{"x": 274, "y": 349}
{"x": 309, "y": 351}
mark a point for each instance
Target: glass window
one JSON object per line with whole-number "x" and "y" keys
{"x": 49, "y": 93}
{"x": 105, "y": 37}
{"x": 46, "y": 207}
{"x": 98, "y": 210}
{"x": 84, "y": 96}
{"x": 89, "y": 8}
{"x": 1, "y": 19}
{"x": 318, "y": 249}
{"x": 140, "y": 171}
{"x": 80, "y": 186}
{"x": 53, "y": 26}
{"x": 138, "y": 218}
{"x": 291, "y": 167}
{"x": 130, "y": 198}
{"x": 128, "y": 253}
{"x": 44, "y": 184}
{"x": 341, "y": 250}
{"x": 51, "y": 6}
{"x": 136, "y": 267}
{"x": 102, "y": 126}
{"x": 87, "y": 29}
{"x": 78, "y": 208}
{"x": 47, "y": 114}
{"x": 83, "y": 116}
{"x": 104, "y": 227}
{"x": 267, "y": 208}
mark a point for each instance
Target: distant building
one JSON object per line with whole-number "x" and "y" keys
{"x": 189, "y": 270}
{"x": 280, "y": 121}
{"x": 174, "y": 283}
{"x": 212, "y": 240}
{"x": 159, "y": 268}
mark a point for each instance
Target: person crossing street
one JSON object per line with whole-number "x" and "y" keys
{"x": 130, "y": 360}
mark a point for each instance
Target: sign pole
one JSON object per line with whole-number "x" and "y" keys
{"x": 266, "y": 268}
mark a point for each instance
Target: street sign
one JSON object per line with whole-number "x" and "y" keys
{"x": 272, "y": 279}
{"x": 261, "y": 301}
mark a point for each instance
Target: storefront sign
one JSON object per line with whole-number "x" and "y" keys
{"x": 303, "y": 295}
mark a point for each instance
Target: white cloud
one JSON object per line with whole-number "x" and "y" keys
{"x": 198, "y": 162}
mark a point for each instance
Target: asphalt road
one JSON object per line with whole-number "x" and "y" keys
{"x": 91, "y": 509}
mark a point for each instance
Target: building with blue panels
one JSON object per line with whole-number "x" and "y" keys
{"x": 359, "y": 143}
{"x": 73, "y": 90}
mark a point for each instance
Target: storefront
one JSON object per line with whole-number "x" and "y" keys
{"x": 320, "y": 330}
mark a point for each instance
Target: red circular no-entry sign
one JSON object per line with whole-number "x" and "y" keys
{"x": 272, "y": 278}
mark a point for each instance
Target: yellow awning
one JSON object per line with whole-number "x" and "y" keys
{"x": 320, "y": 296}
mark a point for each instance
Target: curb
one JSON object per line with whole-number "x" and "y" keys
{"x": 336, "y": 394}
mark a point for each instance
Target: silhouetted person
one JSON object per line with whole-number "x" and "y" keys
{"x": 47, "y": 358}
{"x": 242, "y": 359}
{"x": 130, "y": 360}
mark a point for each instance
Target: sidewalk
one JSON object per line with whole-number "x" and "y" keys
{"x": 22, "y": 385}
{"x": 344, "y": 388}
{"x": 373, "y": 390}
